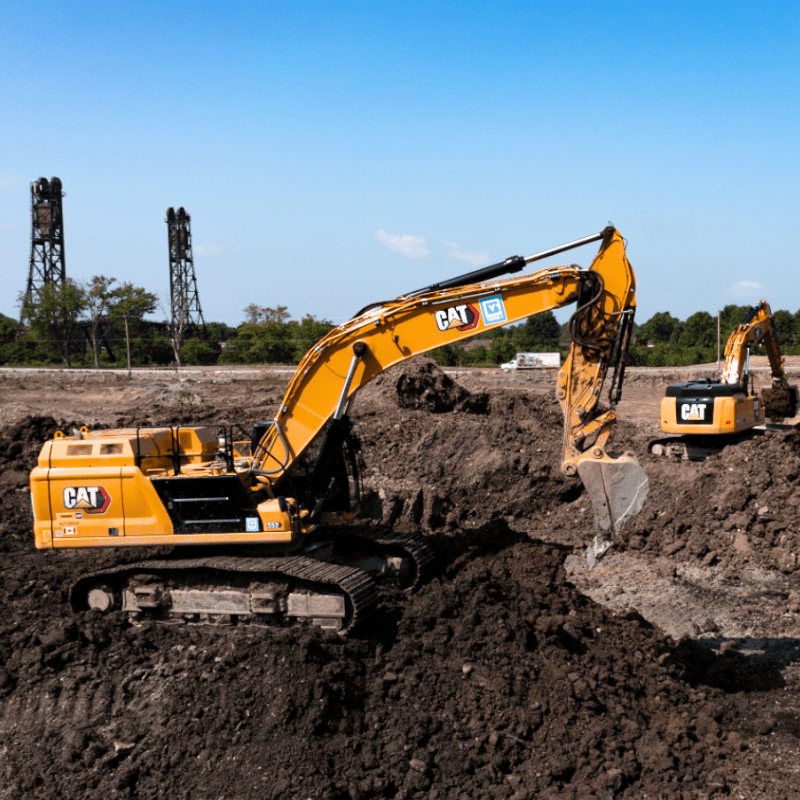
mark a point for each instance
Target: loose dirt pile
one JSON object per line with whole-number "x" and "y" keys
{"x": 740, "y": 508}
{"x": 497, "y": 679}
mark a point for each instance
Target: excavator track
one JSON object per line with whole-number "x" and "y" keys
{"x": 416, "y": 556}
{"x": 226, "y": 589}
{"x": 699, "y": 448}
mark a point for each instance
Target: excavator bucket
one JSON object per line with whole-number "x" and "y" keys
{"x": 780, "y": 402}
{"x": 617, "y": 488}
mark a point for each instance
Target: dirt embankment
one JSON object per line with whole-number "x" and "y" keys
{"x": 499, "y": 678}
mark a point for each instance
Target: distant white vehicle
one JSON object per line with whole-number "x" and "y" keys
{"x": 533, "y": 361}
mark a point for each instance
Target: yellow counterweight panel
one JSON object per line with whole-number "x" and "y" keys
{"x": 40, "y": 501}
{"x": 85, "y": 505}
{"x": 749, "y": 413}
{"x": 146, "y": 522}
{"x": 730, "y": 416}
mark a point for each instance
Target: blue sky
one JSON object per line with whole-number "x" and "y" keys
{"x": 335, "y": 154}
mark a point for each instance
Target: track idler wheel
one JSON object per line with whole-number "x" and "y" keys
{"x": 101, "y": 598}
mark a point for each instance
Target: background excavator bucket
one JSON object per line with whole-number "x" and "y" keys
{"x": 617, "y": 488}
{"x": 780, "y": 402}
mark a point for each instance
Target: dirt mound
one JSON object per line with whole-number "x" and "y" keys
{"x": 19, "y": 451}
{"x": 420, "y": 383}
{"x": 498, "y": 679}
{"x": 739, "y": 508}
{"x": 455, "y": 469}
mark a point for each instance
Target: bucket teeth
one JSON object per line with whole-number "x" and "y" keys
{"x": 617, "y": 488}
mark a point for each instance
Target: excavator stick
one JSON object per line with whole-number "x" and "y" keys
{"x": 617, "y": 488}
{"x": 780, "y": 402}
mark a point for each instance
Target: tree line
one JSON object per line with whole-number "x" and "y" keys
{"x": 661, "y": 341}
{"x": 101, "y": 323}
{"x": 665, "y": 340}
{"x": 97, "y": 323}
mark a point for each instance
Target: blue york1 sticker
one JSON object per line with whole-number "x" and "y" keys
{"x": 252, "y": 524}
{"x": 493, "y": 310}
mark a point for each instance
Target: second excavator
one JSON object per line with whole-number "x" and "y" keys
{"x": 710, "y": 413}
{"x": 262, "y": 523}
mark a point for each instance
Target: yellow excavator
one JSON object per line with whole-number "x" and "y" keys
{"x": 262, "y": 521}
{"x": 710, "y": 413}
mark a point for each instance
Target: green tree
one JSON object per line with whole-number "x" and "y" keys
{"x": 539, "y": 332}
{"x": 279, "y": 314}
{"x": 730, "y": 317}
{"x": 129, "y": 304}
{"x": 501, "y": 350}
{"x": 198, "y": 352}
{"x": 8, "y": 338}
{"x": 53, "y": 311}
{"x": 306, "y": 333}
{"x": 661, "y": 327}
{"x": 699, "y": 330}
{"x": 784, "y": 328}
{"x": 476, "y": 356}
{"x": 98, "y": 299}
{"x": 267, "y": 343}
{"x": 152, "y": 349}
{"x": 445, "y": 356}
{"x": 252, "y": 314}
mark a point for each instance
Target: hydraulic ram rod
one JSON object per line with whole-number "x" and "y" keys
{"x": 510, "y": 265}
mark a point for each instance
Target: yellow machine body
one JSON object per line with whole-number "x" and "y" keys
{"x": 731, "y": 404}
{"x": 99, "y": 491}
{"x": 703, "y": 414}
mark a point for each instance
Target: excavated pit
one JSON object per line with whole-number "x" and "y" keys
{"x": 501, "y": 677}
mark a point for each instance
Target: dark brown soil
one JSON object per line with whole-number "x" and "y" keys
{"x": 498, "y": 679}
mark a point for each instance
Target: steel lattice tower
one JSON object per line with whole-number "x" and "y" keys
{"x": 47, "y": 235}
{"x": 185, "y": 300}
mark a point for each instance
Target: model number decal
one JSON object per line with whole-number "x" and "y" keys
{"x": 91, "y": 499}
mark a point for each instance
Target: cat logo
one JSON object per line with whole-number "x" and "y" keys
{"x": 693, "y": 412}
{"x": 91, "y": 499}
{"x": 463, "y": 317}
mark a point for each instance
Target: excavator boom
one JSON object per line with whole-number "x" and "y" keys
{"x": 388, "y": 333}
